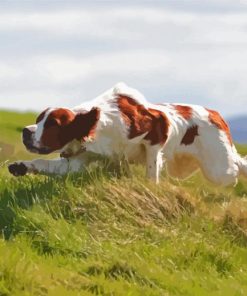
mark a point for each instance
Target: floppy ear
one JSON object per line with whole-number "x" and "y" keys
{"x": 84, "y": 124}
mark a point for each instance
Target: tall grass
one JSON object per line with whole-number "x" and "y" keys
{"x": 98, "y": 233}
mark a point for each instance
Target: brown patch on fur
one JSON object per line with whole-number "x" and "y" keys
{"x": 141, "y": 120}
{"x": 41, "y": 116}
{"x": 62, "y": 126}
{"x": 60, "y": 117}
{"x": 184, "y": 111}
{"x": 85, "y": 124}
{"x": 190, "y": 135}
{"x": 55, "y": 134}
{"x": 216, "y": 119}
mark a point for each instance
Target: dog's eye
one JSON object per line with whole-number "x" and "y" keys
{"x": 51, "y": 122}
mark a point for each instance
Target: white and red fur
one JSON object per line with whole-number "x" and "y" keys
{"x": 122, "y": 124}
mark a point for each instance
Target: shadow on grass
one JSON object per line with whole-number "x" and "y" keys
{"x": 241, "y": 189}
{"x": 238, "y": 234}
{"x": 22, "y": 193}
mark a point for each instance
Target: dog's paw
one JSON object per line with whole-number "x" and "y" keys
{"x": 17, "y": 169}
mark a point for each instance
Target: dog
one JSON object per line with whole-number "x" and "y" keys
{"x": 123, "y": 125}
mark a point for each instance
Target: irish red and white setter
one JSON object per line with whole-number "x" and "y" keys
{"x": 122, "y": 124}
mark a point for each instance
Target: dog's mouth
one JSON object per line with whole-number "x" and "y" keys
{"x": 42, "y": 150}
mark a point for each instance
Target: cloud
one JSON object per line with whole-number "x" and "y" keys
{"x": 9, "y": 72}
{"x": 62, "y": 55}
{"x": 63, "y": 69}
{"x": 126, "y": 23}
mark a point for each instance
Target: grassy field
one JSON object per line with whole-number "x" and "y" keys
{"x": 98, "y": 234}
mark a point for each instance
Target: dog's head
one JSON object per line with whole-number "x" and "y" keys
{"x": 55, "y": 128}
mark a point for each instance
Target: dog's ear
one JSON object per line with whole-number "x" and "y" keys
{"x": 84, "y": 124}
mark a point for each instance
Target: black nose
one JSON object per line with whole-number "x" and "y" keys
{"x": 26, "y": 135}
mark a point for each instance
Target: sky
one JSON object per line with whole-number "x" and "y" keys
{"x": 61, "y": 53}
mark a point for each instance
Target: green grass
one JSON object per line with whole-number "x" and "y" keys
{"x": 98, "y": 234}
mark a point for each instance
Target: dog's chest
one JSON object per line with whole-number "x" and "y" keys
{"x": 109, "y": 140}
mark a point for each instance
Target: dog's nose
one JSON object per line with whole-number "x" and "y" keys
{"x": 26, "y": 135}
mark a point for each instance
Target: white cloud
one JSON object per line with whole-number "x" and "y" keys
{"x": 9, "y": 72}
{"x": 65, "y": 69}
{"x": 119, "y": 23}
{"x": 63, "y": 56}
{"x": 33, "y": 100}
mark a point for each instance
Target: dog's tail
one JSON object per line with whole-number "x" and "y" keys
{"x": 242, "y": 163}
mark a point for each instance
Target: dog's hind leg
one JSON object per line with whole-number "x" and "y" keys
{"x": 220, "y": 165}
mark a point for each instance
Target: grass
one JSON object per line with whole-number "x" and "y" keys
{"x": 98, "y": 234}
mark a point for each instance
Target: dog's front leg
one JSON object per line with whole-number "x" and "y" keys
{"x": 58, "y": 166}
{"x": 153, "y": 163}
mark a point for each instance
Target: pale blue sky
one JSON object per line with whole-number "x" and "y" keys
{"x": 60, "y": 53}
